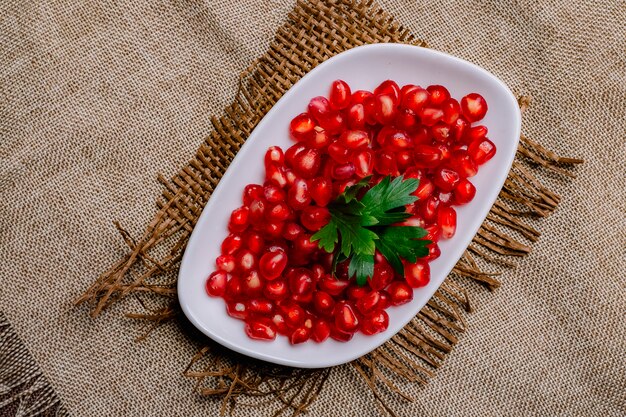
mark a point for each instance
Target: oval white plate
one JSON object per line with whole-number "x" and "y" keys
{"x": 362, "y": 68}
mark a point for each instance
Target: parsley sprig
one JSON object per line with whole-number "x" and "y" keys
{"x": 358, "y": 227}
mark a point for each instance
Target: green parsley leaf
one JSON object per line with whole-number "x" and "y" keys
{"x": 402, "y": 242}
{"x": 362, "y": 266}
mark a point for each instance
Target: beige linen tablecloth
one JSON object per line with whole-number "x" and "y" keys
{"x": 96, "y": 98}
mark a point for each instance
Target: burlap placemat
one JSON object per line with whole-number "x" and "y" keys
{"x": 95, "y": 98}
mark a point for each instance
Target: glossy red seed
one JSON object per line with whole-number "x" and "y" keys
{"x": 464, "y": 192}
{"x": 458, "y": 129}
{"x": 292, "y": 230}
{"x": 434, "y": 232}
{"x": 254, "y": 241}
{"x": 475, "y": 133}
{"x": 274, "y": 155}
{"x": 225, "y": 263}
{"x": 339, "y": 153}
{"x": 251, "y": 284}
{"x": 340, "y": 336}
{"x": 301, "y": 126}
{"x": 252, "y": 192}
{"x": 278, "y": 212}
{"x": 276, "y": 289}
{"x": 438, "y": 94}
{"x": 231, "y": 244}
{"x": 298, "y": 196}
{"x": 481, "y": 151}
{"x": 385, "y": 300}
{"x": 276, "y": 174}
{"x": 415, "y": 100}
{"x": 319, "y": 139}
{"x": 281, "y": 324}
{"x": 390, "y": 88}
{"x": 421, "y": 135}
{"x": 260, "y": 306}
{"x": 474, "y": 107}
{"x": 363, "y": 163}
{"x": 383, "y": 275}
{"x": 319, "y": 108}
{"x": 354, "y": 292}
{"x": 273, "y": 230}
{"x": 302, "y": 250}
{"x": 245, "y": 260}
{"x": 273, "y": 193}
{"x": 424, "y": 189}
{"x": 237, "y": 309}
{"x": 376, "y": 322}
{"x": 314, "y": 218}
{"x": 321, "y": 330}
{"x": 385, "y": 163}
{"x": 294, "y": 314}
{"x": 406, "y": 120}
{"x": 292, "y": 152}
{"x": 307, "y": 163}
{"x": 427, "y": 156}
{"x": 323, "y": 303}
{"x": 360, "y": 96}
{"x": 272, "y": 264}
{"x": 433, "y": 252}
{"x": 234, "y": 290}
{"x": 300, "y": 335}
{"x": 451, "y": 111}
{"x": 216, "y": 283}
{"x": 446, "y": 179}
{"x": 260, "y": 329}
{"x": 332, "y": 285}
{"x": 399, "y": 293}
{"x": 441, "y": 132}
{"x": 321, "y": 191}
{"x": 257, "y": 211}
{"x": 334, "y": 123}
{"x": 356, "y": 116}
{"x": 300, "y": 281}
{"x": 446, "y": 217}
{"x": 345, "y": 318}
{"x": 463, "y": 164}
{"x": 445, "y": 198}
{"x": 404, "y": 160}
{"x": 343, "y": 171}
{"x": 353, "y": 139}
{"x": 318, "y": 271}
{"x": 428, "y": 208}
{"x": 431, "y": 115}
{"x": 398, "y": 141}
{"x": 340, "y": 95}
{"x": 385, "y": 109}
{"x": 417, "y": 274}
{"x": 368, "y": 302}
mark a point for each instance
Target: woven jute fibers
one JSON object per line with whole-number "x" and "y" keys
{"x": 97, "y": 98}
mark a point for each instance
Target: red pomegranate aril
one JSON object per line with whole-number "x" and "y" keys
{"x": 318, "y": 271}
{"x": 406, "y": 120}
{"x": 307, "y": 163}
{"x": 431, "y": 115}
{"x": 376, "y": 322}
{"x": 334, "y": 123}
{"x": 399, "y": 293}
{"x": 424, "y": 189}
{"x": 383, "y": 275}
{"x": 406, "y": 89}
{"x": 276, "y": 290}
{"x": 464, "y": 192}
{"x": 320, "y": 331}
{"x": 438, "y": 94}
{"x": 302, "y": 250}
{"x": 463, "y": 164}
{"x": 385, "y": 299}
{"x": 441, "y": 132}
{"x": 356, "y": 116}
{"x": 459, "y": 128}
{"x": 340, "y": 336}
{"x": 385, "y": 163}
{"x": 475, "y": 133}
{"x": 234, "y": 289}
{"x": 314, "y": 218}
{"x": 225, "y": 263}
{"x": 404, "y": 160}
{"x": 319, "y": 108}
{"x": 319, "y": 139}
{"x": 340, "y": 95}
{"x": 414, "y": 172}
{"x": 252, "y": 192}
{"x": 254, "y": 241}
{"x": 231, "y": 244}
{"x": 291, "y": 231}
{"x": 292, "y": 152}
{"x": 301, "y": 126}
{"x": 390, "y": 88}
{"x": 445, "y": 198}
{"x": 368, "y": 302}
{"x": 445, "y": 151}
{"x": 474, "y": 107}
{"x": 427, "y": 156}
{"x": 446, "y": 179}
{"x": 385, "y": 110}
{"x": 320, "y": 190}
{"x": 433, "y": 252}
{"x": 294, "y": 314}
{"x": 300, "y": 281}
{"x": 417, "y": 274}
{"x": 272, "y": 264}
{"x": 298, "y": 196}
{"x": 428, "y": 208}
{"x": 339, "y": 153}
{"x": 413, "y": 221}
{"x": 216, "y": 283}
{"x": 353, "y": 139}
{"x": 343, "y": 171}
{"x": 278, "y": 212}
{"x": 415, "y": 100}
{"x": 260, "y": 306}
{"x": 451, "y": 111}
{"x": 398, "y": 141}
{"x": 280, "y": 324}
{"x": 446, "y": 217}
{"x": 274, "y": 155}
{"x": 332, "y": 285}
{"x": 273, "y": 230}
{"x": 251, "y": 284}
{"x": 237, "y": 309}
{"x": 323, "y": 303}
{"x": 421, "y": 135}
{"x": 354, "y": 292}
{"x": 273, "y": 193}
{"x": 276, "y": 174}
{"x": 300, "y": 335}
{"x": 482, "y": 150}
{"x": 359, "y": 96}
{"x": 260, "y": 329}
{"x": 345, "y": 318}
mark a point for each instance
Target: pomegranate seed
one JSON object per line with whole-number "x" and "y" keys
{"x": 428, "y": 208}
{"x": 340, "y": 95}
{"x": 272, "y": 264}
{"x": 292, "y": 152}
{"x": 404, "y": 159}
{"x": 446, "y": 217}
{"x": 276, "y": 174}
{"x": 446, "y": 179}
{"x": 281, "y": 324}
{"x": 234, "y": 289}
{"x": 427, "y": 156}
{"x": 273, "y": 230}
{"x": 368, "y": 303}
{"x": 441, "y": 132}
{"x": 254, "y": 241}
{"x": 438, "y": 94}
{"x": 333, "y": 286}
{"x": 300, "y": 335}
{"x": 464, "y": 192}
{"x": 260, "y": 329}
{"x": 292, "y": 231}
{"x": 340, "y": 336}
{"x": 389, "y": 88}
{"x": 216, "y": 283}
{"x": 300, "y": 281}
{"x": 298, "y": 196}
{"x": 257, "y": 211}
{"x": 252, "y": 285}
{"x": 434, "y": 232}
{"x": 302, "y": 249}
{"x": 385, "y": 163}
{"x": 339, "y": 153}
{"x": 475, "y": 133}
{"x": 274, "y": 155}
{"x": 345, "y": 319}
{"x": 417, "y": 274}
{"x": 360, "y": 96}
{"x": 451, "y": 111}
{"x": 398, "y": 141}
{"x": 431, "y": 115}
{"x": 376, "y": 322}
{"x": 424, "y": 189}
{"x": 314, "y": 218}
{"x": 300, "y": 126}
{"x": 321, "y": 330}
{"x": 321, "y": 191}
{"x": 433, "y": 252}
{"x": 319, "y": 108}
{"x": 415, "y": 100}
{"x": 459, "y": 128}
{"x": 323, "y": 303}
{"x": 383, "y": 275}
{"x": 353, "y": 139}
{"x": 307, "y": 163}
{"x": 474, "y": 107}
{"x": 278, "y": 212}
{"x": 276, "y": 290}
{"x": 385, "y": 110}
{"x": 252, "y": 192}
{"x": 463, "y": 164}
{"x": 385, "y": 299}
{"x": 237, "y": 310}
{"x": 481, "y": 151}
{"x": 445, "y": 198}
{"x": 406, "y": 120}
{"x": 399, "y": 293}
{"x": 343, "y": 171}
{"x": 356, "y": 116}
{"x": 293, "y": 314}
{"x": 334, "y": 123}
{"x": 319, "y": 139}
{"x": 354, "y": 292}
{"x": 231, "y": 244}
{"x": 225, "y": 263}
{"x": 260, "y": 306}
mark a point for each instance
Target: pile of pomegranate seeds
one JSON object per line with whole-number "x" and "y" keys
{"x": 270, "y": 273}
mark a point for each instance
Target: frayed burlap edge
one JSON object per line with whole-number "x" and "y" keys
{"x": 316, "y": 30}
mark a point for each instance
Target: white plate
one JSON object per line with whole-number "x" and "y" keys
{"x": 362, "y": 68}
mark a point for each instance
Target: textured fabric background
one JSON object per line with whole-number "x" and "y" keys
{"x": 96, "y": 98}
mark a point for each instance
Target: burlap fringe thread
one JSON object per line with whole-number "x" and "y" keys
{"x": 316, "y": 30}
